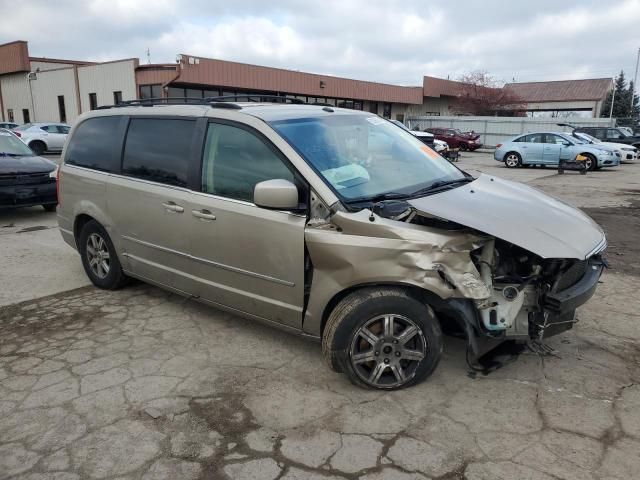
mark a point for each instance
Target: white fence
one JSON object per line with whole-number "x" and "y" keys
{"x": 494, "y": 130}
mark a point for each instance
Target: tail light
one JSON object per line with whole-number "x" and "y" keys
{"x": 498, "y": 145}
{"x": 18, "y": 134}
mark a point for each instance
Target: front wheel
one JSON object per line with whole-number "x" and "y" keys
{"x": 382, "y": 338}
{"x": 590, "y": 163}
{"x": 512, "y": 160}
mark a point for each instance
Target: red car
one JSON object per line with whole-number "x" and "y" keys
{"x": 457, "y": 139}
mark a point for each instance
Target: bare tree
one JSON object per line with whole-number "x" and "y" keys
{"x": 481, "y": 94}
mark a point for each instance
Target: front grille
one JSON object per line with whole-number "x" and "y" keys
{"x": 25, "y": 179}
{"x": 571, "y": 276}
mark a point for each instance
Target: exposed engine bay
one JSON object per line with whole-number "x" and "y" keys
{"x": 524, "y": 287}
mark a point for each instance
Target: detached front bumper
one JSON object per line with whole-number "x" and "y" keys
{"x": 579, "y": 293}
{"x": 560, "y": 306}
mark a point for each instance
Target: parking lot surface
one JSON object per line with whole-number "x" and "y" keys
{"x": 143, "y": 384}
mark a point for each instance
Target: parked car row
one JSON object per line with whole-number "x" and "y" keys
{"x": 603, "y": 147}
{"x": 548, "y": 148}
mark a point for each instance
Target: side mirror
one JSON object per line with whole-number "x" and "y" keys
{"x": 278, "y": 194}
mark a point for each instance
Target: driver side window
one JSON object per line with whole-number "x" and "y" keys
{"x": 235, "y": 160}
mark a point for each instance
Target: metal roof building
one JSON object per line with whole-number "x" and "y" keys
{"x": 575, "y": 96}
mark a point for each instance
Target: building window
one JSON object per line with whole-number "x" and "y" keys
{"x": 25, "y": 115}
{"x": 117, "y": 98}
{"x": 93, "y": 101}
{"x": 153, "y": 91}
{"x": 386, "y": 110}
{"x": 373, "y": 107}
{"x": 61, "y": 110}
{"x": 10, "y": 115}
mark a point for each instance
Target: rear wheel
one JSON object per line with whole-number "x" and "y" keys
{"x": 38, "y": 147}
{"x": 512, "y": 160}
{"x": 99, "y": 257}
{"x": 382, "y": 338}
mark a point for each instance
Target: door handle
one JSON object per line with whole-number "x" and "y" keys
{"x": 203, "y": 214}
{"x": 172, "y": 207}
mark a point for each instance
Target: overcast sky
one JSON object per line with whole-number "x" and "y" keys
{"x": 388, "y": 41}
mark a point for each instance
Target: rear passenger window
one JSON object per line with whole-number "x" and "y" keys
{"x": 235, "y": 160}
{"x": 157, "y": 149}
{"x": 534, "y": 138}
{"x": 95, "y": 144}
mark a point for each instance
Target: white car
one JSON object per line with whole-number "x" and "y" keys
{"x": 440, "y": 146}
{"x": 628, "y": 153}
{"x": 42, "y": 137}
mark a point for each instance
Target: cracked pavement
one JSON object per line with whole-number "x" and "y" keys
{"x": 143, "y": 384}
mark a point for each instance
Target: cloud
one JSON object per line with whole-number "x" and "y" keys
{"x": 391, "y": 41}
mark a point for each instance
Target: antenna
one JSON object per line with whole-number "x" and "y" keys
{"x": 148, "y": 56}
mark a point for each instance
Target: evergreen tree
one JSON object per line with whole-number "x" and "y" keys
{"x": 622, "y": 104}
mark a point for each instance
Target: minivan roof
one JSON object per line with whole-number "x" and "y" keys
{"x": 265, "y": 111}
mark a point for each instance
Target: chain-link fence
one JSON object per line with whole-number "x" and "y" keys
{"x": 494, "y": 130}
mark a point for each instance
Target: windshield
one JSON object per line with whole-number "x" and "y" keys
{"x": 11, "y": 145}
{"x": 624, "y": 132}
{"x": 400, "y": 124}
{"x": 573, "y": 139}
{"x": 363, "y": 157}
{"x": 586, "y": 137}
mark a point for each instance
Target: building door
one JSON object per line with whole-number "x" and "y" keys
{"x": 386, "y": 110}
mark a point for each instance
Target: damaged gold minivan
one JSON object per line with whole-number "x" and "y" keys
{"x": 330, "y": 223}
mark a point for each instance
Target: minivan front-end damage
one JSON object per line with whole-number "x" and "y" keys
{"x": 491, "y": 289}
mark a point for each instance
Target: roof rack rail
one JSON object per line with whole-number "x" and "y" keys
{"x": 226, "y": 101}
{"x": 253, "y": 97}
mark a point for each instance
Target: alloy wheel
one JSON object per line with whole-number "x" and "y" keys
{"x": 98, "y": 255}
{"x": 512, "y": 160}
{"x": 387, "y": 350}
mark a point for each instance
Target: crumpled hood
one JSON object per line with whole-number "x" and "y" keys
{"x": 16, "y": 165}
{"x": 518, "y": 214}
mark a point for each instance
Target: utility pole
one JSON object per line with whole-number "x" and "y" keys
{"x": 613, "y": 99}
{"x": 148, "y": 56}
{"x": 635, "y": 80}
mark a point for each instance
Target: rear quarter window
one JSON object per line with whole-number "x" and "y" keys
{"x": 95, "y": 144}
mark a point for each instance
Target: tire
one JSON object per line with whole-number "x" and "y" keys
{"x": 38, "y": 147}
{"x": 463, "y": 147}
{"x": 512, "y": 160}
{"x": 370, "y": 324}
{"x": 590, "y": 162}
{"x": 50, "y": 207}
{"x": 103, "y": 270}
